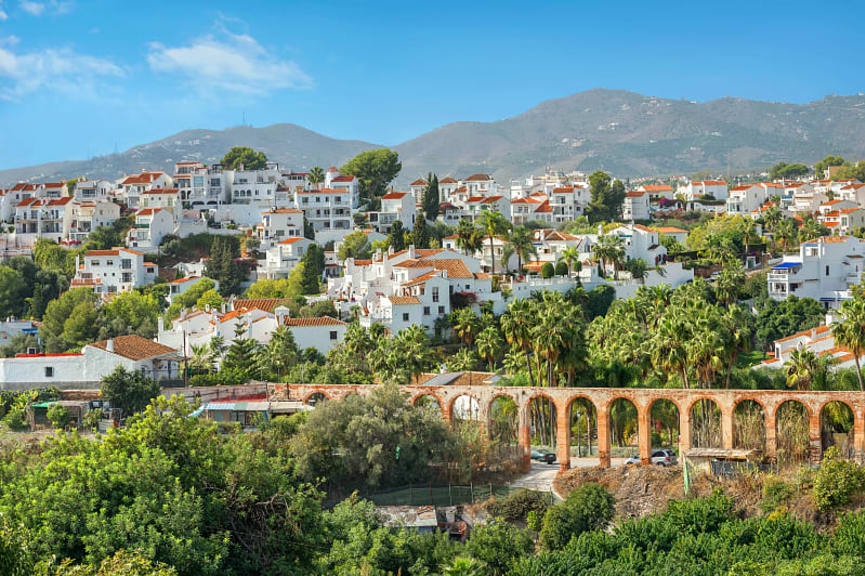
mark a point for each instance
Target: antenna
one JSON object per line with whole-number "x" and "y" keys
{"x": 243, "y": 123}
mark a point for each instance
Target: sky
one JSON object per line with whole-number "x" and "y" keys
{"x": 80, "y": 78}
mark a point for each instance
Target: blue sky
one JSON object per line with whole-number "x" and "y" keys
{"x": 85, "y": 77}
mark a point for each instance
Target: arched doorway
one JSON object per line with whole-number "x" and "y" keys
{"x": 504, "y": 420}
{"x": 749, "y": 426}
{"x": 836, "y": 428}
{"x": 583, "y": 421}
{"x": 792, "y": 434}
{"x": 705, "y": 424}
{"x": 542, "y": 422}
{"x": 465, "y": 408}
{"x": 316, "y": 398}
{"x": 429, "y": 404}
{"x": 664, "y": 420}
{"x": 624, "y": 429}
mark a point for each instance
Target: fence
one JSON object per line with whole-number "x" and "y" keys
{"x": 445, "y": 494}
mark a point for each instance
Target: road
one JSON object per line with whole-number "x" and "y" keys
{"x": 540, "y": 476}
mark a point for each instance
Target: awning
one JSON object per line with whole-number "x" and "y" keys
{"x": 786, "y": 265}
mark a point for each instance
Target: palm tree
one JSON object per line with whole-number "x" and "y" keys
{"x": 217, "y": 348}
{"x": 730, "y": 282}
{"x": 493, "y": 224}
{"x": 415, "y": 350}
{"x": 609, "y": 249}
{"x": 281, "y": 352}
{"x": 507, "y": 252}
{"x": 201, "y": 361}
{"x": 801, "y": 369}
{"x": 468, "y": 238}
{"x": 668, "y": 350}
{"x": 738, "y": 337}
{"x": 489, "y": 344}
{"x": 570, "y": 255}
{"x": 749, "y": 233}
{"x": 463, "y": 566}
{"x": 465, "y": 325}
{"x": 524, "y": 247}
{"x": 850, "y": 331}
{"x": 315, "y": 176}
{"x": 785, "y": 233}
{"x": 811, "y": 229}
{"x": 516, "y": 325}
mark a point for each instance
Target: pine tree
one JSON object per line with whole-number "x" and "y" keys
{"x": 313, "y": 266}
{"x": 420, "y": 234}
{"x": 431, "y": 197}
{"x": 242, "y": 358}
{"x": 397, "y": 236}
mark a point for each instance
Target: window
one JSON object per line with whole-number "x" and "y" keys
{"x": 333, "y": 335}
{"x": 49, "y": 371}
{"x": 441, "y": 309}
{"x": 94, "y": 263}
{"x": 827, "y": 270}
{"x": 405, "y": 316}
{"x": 109, "y": 262}
{"x": 426, "y": 310}
{"x": 126, "y": 264}
{"x": 435, "y": 293}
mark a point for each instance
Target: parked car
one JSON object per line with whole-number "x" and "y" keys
{"x": 661, "y": 457}
{"x": 542, "y": 455}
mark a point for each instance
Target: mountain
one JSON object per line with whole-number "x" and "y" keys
{"x": 289, "y": 144}
{"x": 623, "y": 132}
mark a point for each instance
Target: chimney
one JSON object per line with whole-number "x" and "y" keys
{"x": 109, "y": 345}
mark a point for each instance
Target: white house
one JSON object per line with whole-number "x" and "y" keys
{"x": 635, "y": 206}
{"x": 87, "y": 216}
{"x": 818, "y": 340}
{"x": 283, "y": 256}
{"x": 277, "y": 224}
{"x": 417, "y": 189}
{"x": 824, "y": 270}
{"x": 700, "y": 188}
{"x": 641, "y": 242}
{"x": 657, "y": 191}
{"x": 111, "y": 271}
{"x": 260, "y": 187}
{"x": 328, "y": 210}
{"x": 150, "y": 227}
{"x": 745, "y": 199}
{"x": 394, "y": 206}
{"x": 322, "y": 333}
{"x": 130, "y": 187}
{"x": 44, "y": 218}
{"x": 87, "y": 368}
{"x": 345, "y": 183}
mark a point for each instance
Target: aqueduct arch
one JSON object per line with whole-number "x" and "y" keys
{"x": 602, "y": 399}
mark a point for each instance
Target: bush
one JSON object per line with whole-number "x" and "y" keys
{"x": 204, "y": 380}
{"x": 91, "y": 419}
{"x": 588, "y": 507}
{"x": 59, "y": 416}
{"x": 836, "y": 481}
{"x": 548, "y": 270}
{"x": 775, "y": 492}
{"x": 16, "y": 418}
{"x": 561, "y": 268}
{"x": 499, "y": 545}
{"x": 517, "y": 506}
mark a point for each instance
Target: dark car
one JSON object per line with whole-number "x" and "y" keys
{"x": 542, "y": 455}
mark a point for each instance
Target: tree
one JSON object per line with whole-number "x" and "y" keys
{"x": 242, "y": 359}
{"x": 489, "y": 345}
{"x": 465, "y": 325}
{"x": 801, "y": 369}
{"x": 315, "y": 176}
{"x": 13, "y": 293}
{"x": 313, "y": 269}
{"x": 468, "y": 237}
{"x": 355, "y": 245}
{"x": 59, "y": 416}
{"x": 493, "y": 224}
{"x": 782, "y": 171}
{"x": 244, "y": 156}
{"x": 607, "y": 196}
{"x": 221, "y": 265}
{"x": 431, "y": 197}
{"x": 587, "y": 507}
{"x": 281, "y": 353}
{"x": 375, "y": 169}
{"x": 420, "y": 234}
{"x": 828, "y": 162}
{"x": 70, "y": 321}
{"x": 609, "y": 249}
{"x": 524, "y": 247}
{"x": 396, "y": 237}
{"x": 850, "y": 330}
{"x": 210, "y": 300}
{"x": 130, "y": 391}
{"x": 548, "y": 270}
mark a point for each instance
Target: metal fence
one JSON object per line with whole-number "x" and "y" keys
{"x": 446, "y": 494}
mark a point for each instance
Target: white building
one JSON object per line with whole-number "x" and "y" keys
{"x": 345, "y": 183}
{"x": 700, "y": 188}
{"x": 44, "y": 218}
{"x": 180, "y": 286}
{"x": 260, "y": 187}
{"x": 824, "y": 270}
{"x": 87, "y": 216}
{"x": 129, "y": 188}
{"x": 394, "y": 206}
{"x": 641, "y": 243}
{"x": 150, "y": 227}
{"x": 282, "y": 257}
{"x": 635, "y": 206}
{"x": 818, "y": 340}
{"x": 111, "y": 271}
{"x": 277, "y": 224}
{"x": 328, "y": 210}
{"x": 745, "y": 199}
{"x": 86, "y": 369}
{"x": 417, "y": 189}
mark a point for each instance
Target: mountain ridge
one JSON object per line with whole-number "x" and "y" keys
{"x": 628, "y": 133}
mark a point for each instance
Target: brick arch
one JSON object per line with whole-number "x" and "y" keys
{"x": 623, "y": 395}
{"x": 809, "y": 412}
{"x": 500, "y": 394}
{"x": 459, "y": 394}
{"x": 695, "y": 399}
{"x": 670, "y": 399}
{"x": 542, "y": 394}
{"x": 753, "y": 397}
{"x": 413, "y": 400}
{"x": 569, "y": 401}
{"x": 822, "y": 406}
{"x": 312, "y": 393}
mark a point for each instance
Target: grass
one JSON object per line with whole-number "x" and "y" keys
{"x": 748, "y": 359}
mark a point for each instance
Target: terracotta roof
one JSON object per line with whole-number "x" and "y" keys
{"x": 362, "y": 261}
{"x": 265, "y": 304}
{"x": 817, "y": 331}
{"x": 147, "y": 211}
{"x": 419, "y": 182}
{"x": 401, "y": 300}
{"x": 160, "y": 191}
{"x": 421, "y": 279}
{"x": 323, "y": 191}
{"x": 135, "y": 347}
{"x": 493, "y": 199}
{"x": 283, "y": 211}
{"x": 447, "y": 180}
{"x": 90, "y": 253}
{"x": 183, "y": 280}
{"x": 479, "y": 178}
{"x": 563, "y": 190}
{"x": 545, "y": 207}
{"x": 657, "y": 188}
{"x": 709, "y": 183}
{"x": 669, "y": 230}
{"x": 307, "y": 322}
{"x": 634, "y": 194}
{"x": 344, "y": 178}
{"x": 292, "y": 240}
{"x": 455, "y": 267}
{"x": 393, "y": 196}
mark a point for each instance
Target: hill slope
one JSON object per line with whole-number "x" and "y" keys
{"x": 626, "y": 133}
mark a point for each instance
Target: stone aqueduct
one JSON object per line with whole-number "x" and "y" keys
{"x": 603, "y": 398}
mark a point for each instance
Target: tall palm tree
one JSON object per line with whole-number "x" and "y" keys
{"x": 668, "y": 351}
{"x": 785, "y": 234}
{"x": 524, "y": 247}
{"x": 201, "y": 361}
{"x": 737, "y": 338}
{"x": 465, "y": 324}
{"x": 315, "y": 176}
{"x": 749, "y": 233}
{"x": 811, "y": 229}
{"x": 467, "y": 237}
{"x": 489, "y": 344}
{"x": 850, "y": 330}
{"x": 801, "y": 369}
{"x": 516, "y": 325}
{"x": 570, "y": 255}
{"x": 507, "y": 252}
{"x": 609, "y": 249}
{"x": 493, "y": 224}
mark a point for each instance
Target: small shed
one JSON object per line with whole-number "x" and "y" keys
{"x": 38, "y": 412}
{"x": 722, "y": 461}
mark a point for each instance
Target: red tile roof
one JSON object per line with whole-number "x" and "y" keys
{"x": 135, "y": 347}
{"x": 307, "y": 322}
{"x": 393, "y": 195}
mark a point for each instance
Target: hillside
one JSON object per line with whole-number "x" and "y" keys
{"x": 626, "y": 133}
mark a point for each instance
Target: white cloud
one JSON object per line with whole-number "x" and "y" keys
{"x": 228, "y": 62}
{"x": 53, "y": 69}
{"x": 3, "y": 15}
{"x": 52, "y": 7}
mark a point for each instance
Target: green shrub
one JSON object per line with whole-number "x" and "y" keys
{"x": 588, "y": 507}
{"x": 849, "y": 537}
{"x": 91, "y": 419}
{"x": 59, "y": 416}
{"x": 775, "y": 492}
{"x": 516, "y": 506}
{"x": 836, "y": 481}
{"x": 561, "y": 268}
{"x": 16, "y": 417}
{"x": 548, "y": 270}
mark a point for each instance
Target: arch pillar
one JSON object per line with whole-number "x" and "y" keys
{"x": 524, "y": 436}
{"x": 446, "y": 409}
{"x": 770, "y": 425}
{"x": 815, "y": 438}
{"x": 563, "y": 437}
{"x": 858, "y": 434}
{"x": 604, "y": 436}
{"x": 727, "y": 427}
{"x": 644, "y": 435}
{"x": 684, "y": 428}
